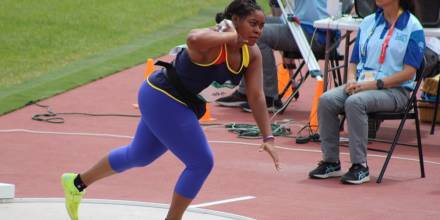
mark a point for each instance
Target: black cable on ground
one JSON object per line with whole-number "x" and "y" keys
{"x": 311, "y": 135}
{"x": 54, "y": 117}
{"x": 252, "y": 131}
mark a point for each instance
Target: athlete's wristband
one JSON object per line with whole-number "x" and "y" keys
{"x": 268, "y": 138}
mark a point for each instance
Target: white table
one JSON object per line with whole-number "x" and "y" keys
{"x": 347, "y": 23}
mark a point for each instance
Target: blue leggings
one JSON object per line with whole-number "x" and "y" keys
{"x": 167, "y": 125}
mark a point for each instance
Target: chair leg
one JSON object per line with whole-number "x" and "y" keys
{"x": 341, "y": 122}
{"x": 338, "y": 71}
{"x": 334, "y": 74}
{"x": 390, "y": 152}
{"x": 287, "y": 102}
{"x": 419, "y": 143}
{"x": 434, "y": 120}
{"x": 298, "y": 71}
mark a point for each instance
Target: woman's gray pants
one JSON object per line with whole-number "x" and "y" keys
{"x": 356, "y": 108}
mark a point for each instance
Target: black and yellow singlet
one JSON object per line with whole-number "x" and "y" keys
{"x": 196, "y": 77}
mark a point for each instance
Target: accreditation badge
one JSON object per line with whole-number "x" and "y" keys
{"x": 369, "y": 76}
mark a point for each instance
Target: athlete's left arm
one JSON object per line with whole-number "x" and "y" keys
{"x": 257, "y": 102}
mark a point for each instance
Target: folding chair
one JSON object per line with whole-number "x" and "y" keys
{"x": 410, "y": 112}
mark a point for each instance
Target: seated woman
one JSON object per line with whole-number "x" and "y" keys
{"x": 388, "y": 51}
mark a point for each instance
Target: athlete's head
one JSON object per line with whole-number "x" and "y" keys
{"x": 247, "y": 17}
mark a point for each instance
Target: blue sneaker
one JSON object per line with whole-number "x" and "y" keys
{"x": 357, "y": 174}
{"x": 326, "y": 170}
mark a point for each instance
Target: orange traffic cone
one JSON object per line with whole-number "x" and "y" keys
{"x": 283, "y": 80}
{"x": 207, "y": 116}
{"x": 313, "y": 118}
{"x": 149, "y": 68}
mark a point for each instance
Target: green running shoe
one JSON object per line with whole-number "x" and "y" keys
{"x": 72, "y": 195}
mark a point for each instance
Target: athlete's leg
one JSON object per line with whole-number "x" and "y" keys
{"x": 143, "y": 150}
{"x": 179, "y": 130}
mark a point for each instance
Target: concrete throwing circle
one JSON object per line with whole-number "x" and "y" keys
{"x": 96, "y": 209}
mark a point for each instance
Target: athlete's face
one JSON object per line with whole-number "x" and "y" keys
{"x": 250, "y": 28}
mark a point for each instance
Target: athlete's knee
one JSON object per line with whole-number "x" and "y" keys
{"x": 140, "y": 161}
{"x": 118, "y": 159}
{"x": 203, "y": 166}
{"x": 143, "y": 158}
{"x": 125, "y": 158}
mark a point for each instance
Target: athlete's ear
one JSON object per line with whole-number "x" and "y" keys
{"x": 235, "y": 20}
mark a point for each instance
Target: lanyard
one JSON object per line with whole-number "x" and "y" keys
{"x": 386, "y": 42}
{"x": 367, "y": 41}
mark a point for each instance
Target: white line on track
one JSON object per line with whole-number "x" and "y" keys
{"x": 64, "y": 133}
{"x": 222, "y": 201}
{"x": 218, "y": 142}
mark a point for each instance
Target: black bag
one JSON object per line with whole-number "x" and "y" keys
{"x": 365, "y": 7}
{"x": 432, "y": 62}
{"x": 194, "y": 103}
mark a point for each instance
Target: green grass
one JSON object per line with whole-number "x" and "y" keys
{"x": 50, "y": 46}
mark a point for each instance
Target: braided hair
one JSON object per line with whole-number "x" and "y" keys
{"x": 240, "y": 8}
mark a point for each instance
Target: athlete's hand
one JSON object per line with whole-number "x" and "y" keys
{"x": 226, "y": 26}
{"x": 270, "y": 149}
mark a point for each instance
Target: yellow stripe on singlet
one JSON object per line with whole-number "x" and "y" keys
{"x": 244, "y": 63}
{"x": 245, "y": 59}
{"x": 246, "y": 56}
{"x": 165, "y": 92}
{"x": 215, "y": 60}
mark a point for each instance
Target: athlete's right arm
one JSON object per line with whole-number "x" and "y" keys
{"x": 206, "y": 38}
{"x": 202, "y": 41}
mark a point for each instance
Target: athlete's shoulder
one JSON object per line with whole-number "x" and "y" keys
{"x": 254, "y": 50}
